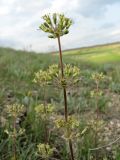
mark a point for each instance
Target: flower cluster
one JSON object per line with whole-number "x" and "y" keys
{"x": 69, "y": 71}
{"x": 57, "y": 25}
{"x": 96, "y": 126}
{"x": 52, "y": 76}
{"x": 54, "y": 71}
{"x": 71, "y": 75}
{"x": 44, "y": 111}
{"x": 15, "y": 133}
{"x": 45, "y": 151}
{"x": 95, "y": 93}
{"x": 68, "y": 128}
{"x": 97, "y": 77}
{"x": 42, "y": 78}
{"x": 15, "y": 110}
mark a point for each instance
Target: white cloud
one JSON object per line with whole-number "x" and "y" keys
{"x": 95, "y": 22}
{"x": 4, "y": 11}
{"x": 59, "y": 6}
{"x": 116, "y": 32}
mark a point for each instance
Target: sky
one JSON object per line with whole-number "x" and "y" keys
{"x": 95, "y": 22}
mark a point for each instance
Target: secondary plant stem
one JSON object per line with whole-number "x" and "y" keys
{"x": 46, "y": 129}
{"x": 97, "y": 117}
{"x": 14, "y": 138}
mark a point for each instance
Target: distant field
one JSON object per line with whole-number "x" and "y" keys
{"x": 101, "y": 54}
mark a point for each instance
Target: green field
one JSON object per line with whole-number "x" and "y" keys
{"x": 12, "y": 59}
{"x": 17, "y": 67}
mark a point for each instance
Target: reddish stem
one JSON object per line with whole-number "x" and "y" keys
{"x": 62, "y": 73}
{"x": 71, "y": 149}
{"x": 60, "y": 55}
{"x": 65, "y": 95}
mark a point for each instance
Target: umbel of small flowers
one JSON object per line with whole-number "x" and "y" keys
{"x": 98, "y": 77}
{"x": 42, "y": 78}
{"x": 14, "y": 111}
{"x": 52, "y": 76}
{"x": 44, "y": 112}
{"x": 93, "y": 123}
{"x": 69, "y": 128}
{"x": 45, "y": 150}
{"x": 70, "y": 79}
{"x": 56, "y": 25}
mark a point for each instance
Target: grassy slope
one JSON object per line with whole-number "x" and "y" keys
{"x": 17, "y": 67}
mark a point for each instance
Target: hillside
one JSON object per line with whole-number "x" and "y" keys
{"x": 97, "y": 54}
{"x": 19, "y": 66}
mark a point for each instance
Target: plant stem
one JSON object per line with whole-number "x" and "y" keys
{"x": 97, "y": 117}
{"x": 71, "y": 149}
{"x": 62, "y": 73}
{"x": 14, "y": 138}
{"x": 65, "y": 95}
{"x": 46, "y": 129}
{"x": 60, "y": 55}
{"x": 65, "y": 104}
